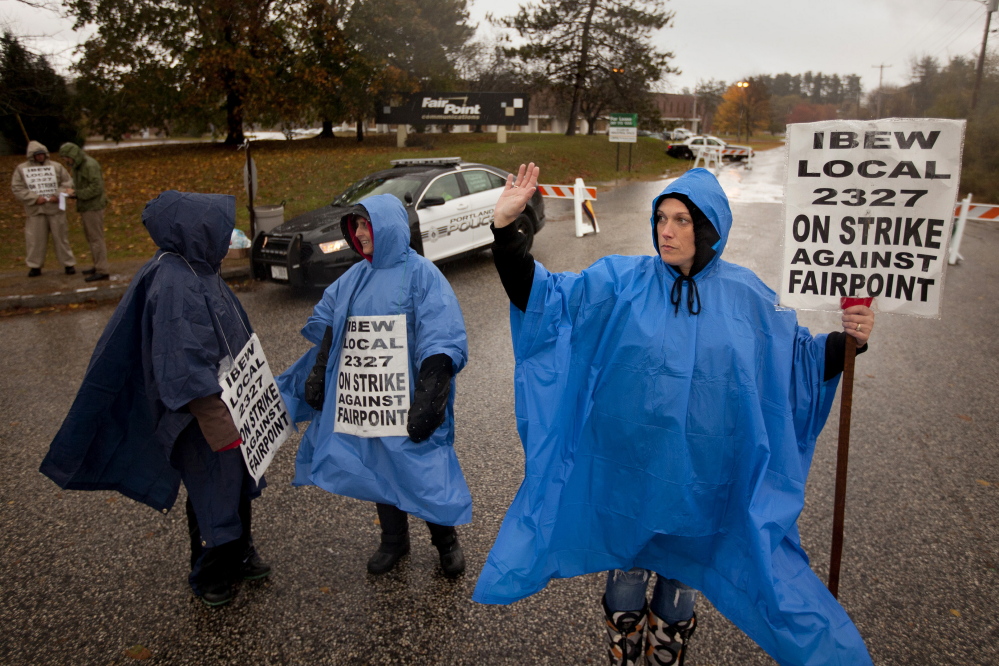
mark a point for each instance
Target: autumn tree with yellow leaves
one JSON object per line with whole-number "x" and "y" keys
{"x": 745, "y": 108}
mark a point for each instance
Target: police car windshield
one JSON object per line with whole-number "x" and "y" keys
{"x": 399, "y": 186}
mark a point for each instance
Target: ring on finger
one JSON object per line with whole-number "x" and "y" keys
{"x": 859, "y": 329}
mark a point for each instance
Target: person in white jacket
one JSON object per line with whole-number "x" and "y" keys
{"x": 37, "y": 184}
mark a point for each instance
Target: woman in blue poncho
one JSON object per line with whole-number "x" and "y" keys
{"x": 668, "y": 410}
{"x": 382, "y": 403}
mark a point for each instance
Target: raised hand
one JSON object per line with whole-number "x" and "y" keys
{"x": 516, "y": 194}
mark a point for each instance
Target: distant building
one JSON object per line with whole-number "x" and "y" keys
{"x": 546, "y": 115}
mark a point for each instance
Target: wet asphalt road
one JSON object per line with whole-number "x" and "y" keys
{"x": 86, "y": 575}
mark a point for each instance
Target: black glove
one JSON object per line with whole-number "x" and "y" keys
{"x": 315, "y": 383}
{"x": 433, "y": 387}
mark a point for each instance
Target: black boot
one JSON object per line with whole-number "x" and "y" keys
{"x": 211, "y": 568}
{"x": 666, "y": 644}
{"x": 391, "y": 550}
{"x": 625, "y": 635}
{"x": 451, "y": 555}
{"x": 395, "y": 539}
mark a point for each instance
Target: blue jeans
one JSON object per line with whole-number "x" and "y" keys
{"x": 672, "y": 601}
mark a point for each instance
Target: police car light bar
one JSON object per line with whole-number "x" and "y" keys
{"x": 428, "y": 161}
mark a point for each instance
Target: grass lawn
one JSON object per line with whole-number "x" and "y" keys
{"x": 307, "y": 174}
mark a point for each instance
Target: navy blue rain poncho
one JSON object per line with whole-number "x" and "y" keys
{"x": 672, "y": 442}
{"x": 160, "y": 350}
{"x": 423, "y": 479}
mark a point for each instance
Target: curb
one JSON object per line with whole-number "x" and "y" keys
{"x": 112, "y": 292}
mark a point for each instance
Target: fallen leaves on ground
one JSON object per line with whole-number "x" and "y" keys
{"x": 138, "y": 652}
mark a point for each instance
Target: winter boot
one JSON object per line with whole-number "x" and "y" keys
{"x": 451, "y": 555}
{"x": 392, "y": 549}
{"x": 666, "y": 644}
{"x": 625, "y": 634}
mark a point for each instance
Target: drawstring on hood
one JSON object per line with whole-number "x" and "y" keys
{"x": 712, "y": 221}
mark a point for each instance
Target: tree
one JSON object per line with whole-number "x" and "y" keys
{"x": 744, "y": 107}
{"x": 578, "y": 45}
{"x": 402, "y": 46}
{"x": 153, "y": 61}
{"x": 34, "y": 101}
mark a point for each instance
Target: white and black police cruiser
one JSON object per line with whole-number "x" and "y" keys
{"x": 450, "y": 205}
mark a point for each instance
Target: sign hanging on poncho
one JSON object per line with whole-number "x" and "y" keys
{"x": 372, "y": 384}
{"x": 256, "y": 406}
{"x": 41, "y": 180}
{"x": 868, "y": 212}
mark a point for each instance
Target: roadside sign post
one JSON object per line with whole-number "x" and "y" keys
{"x": 868, "y": 208}
{"x": 250, "y": 183}
{"x": 623, "y": 129}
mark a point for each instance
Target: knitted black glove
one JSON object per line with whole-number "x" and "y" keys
{"x": 315, "y": 383}
{"x": 433, "y": 387}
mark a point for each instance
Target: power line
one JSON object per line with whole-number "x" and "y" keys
{"x": 968, "y": 26}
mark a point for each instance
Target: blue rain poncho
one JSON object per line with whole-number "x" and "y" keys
{"x": 424, "y": 478}
{"x": 160, "y": 350}
{"x": 672, "y": 442}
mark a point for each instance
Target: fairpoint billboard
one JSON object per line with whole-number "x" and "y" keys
{"x": 455, "y": 108}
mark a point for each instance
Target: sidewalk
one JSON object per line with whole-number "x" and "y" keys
{"x": 53, "y": 287}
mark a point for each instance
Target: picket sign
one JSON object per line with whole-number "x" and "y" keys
{"x": 581, "y": 196}
{"x": 966, "y": 211}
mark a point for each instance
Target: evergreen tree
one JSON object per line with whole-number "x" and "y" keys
{"x": 590, "y": 47}
{"x": 34, "y": 101}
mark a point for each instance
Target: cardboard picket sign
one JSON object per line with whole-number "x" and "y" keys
{"x": 42, "y": 180}
{"x": 868, "y": 211}
{"x": 373, "y": 382}
{"x": 256, "y": 406}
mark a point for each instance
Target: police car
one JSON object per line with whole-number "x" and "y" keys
{"x": 450, "y": 205}
{"x": 689, "y": 147}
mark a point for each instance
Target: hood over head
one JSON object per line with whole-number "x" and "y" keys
{"x": 35, "y": 147}
{"x": 700, "y": 191}
{"x": 198, "y": 227}
{"x": 73, "y": 152}
{"x": 389, "y": 229}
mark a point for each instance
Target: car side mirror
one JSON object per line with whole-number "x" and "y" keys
{"x": 431, "y": 201}
{"x": 408, "y": 198}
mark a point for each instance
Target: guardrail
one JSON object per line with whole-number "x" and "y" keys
{"x": 581, "y": 197}
{"x": 967, "y": 211}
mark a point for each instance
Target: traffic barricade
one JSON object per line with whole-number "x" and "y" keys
{"x": 710, "y": 156}
{"x": 968, "y": 211}
{"x": 581, "y": 197}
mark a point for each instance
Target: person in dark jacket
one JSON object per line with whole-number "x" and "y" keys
{"x": 88, "y": 190}
{"x": 149, "y": 413}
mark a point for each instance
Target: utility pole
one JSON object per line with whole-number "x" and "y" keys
{"x": 990, "y": 6}
{"x": 881, "y": 77}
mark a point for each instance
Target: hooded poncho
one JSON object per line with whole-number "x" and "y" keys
{"x": 160, "y": 350}
{"x": 672, "y": 442}
{"x": 424, "y": 478}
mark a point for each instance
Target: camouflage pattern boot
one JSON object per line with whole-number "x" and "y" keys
{"x": 625, "y": 634}
{"x": 666, "y": 644}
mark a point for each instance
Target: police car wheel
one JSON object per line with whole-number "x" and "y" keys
{"x": 525, "y": 228}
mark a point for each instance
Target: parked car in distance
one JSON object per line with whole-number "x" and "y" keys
{"x": 450, "y": 206}
{"x": 678, "y": 134}
{"x": 688, "y": 148}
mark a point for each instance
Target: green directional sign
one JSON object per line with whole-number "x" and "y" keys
{"x": 624, "y": 120}
{"x": 623, "y": 128}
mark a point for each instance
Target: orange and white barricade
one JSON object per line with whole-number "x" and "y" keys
{"x": 581, "y": 197}
{"x": 968, "y": 211}
{"x": 712, "y": 158}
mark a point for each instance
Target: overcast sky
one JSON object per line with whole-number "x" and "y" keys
{"x": 721, "y": 39}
